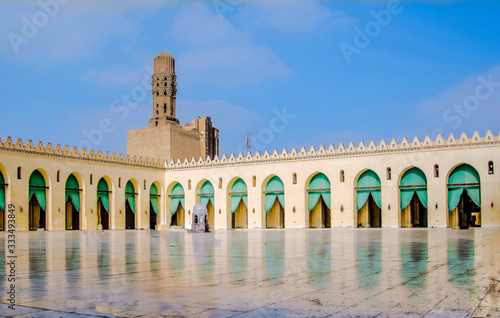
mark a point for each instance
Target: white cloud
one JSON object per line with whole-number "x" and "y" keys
{"x": 296, "y": 16}
{"x": 231, "y": 64}
{"x": 221, "y": 53}
{"x": 32, "y": 34}
{"x": 472, "y": 104}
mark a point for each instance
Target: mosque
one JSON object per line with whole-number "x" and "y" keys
{"x": 170, "y": 168}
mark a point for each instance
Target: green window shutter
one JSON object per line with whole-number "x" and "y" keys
{"x": 36, "y": 179}
{"x": 327, "y": 198}
{"x": 2, "y": 193}
{"x": 131, "y": 201}
{"x": 362, "y": 197}
{"x": 102, "y": 193}
{"x": 207, "y": 193}
{"x": 415, "y": 178}
{"x": 313, "y": 199}
{"x": 153, "y": 191}
{"x": 278, "y": 191}
{"x": 369, "y": 179}
{"x": 239, "y": 187}
{"x": 102, "y": 185}
{"x": 235, "y": 201}
{"x": 463, "y": 178}
{"x": 104, "y": 199}
{"x": 319, "y": 186}
{"x": 72, "y": 191}
{"x": 154, "y": 204}
{"x": 130, "y": 195}
{"x": 178, "y": 199}
{"x": 464, "y": 174}
{"x": 270, "y": 199}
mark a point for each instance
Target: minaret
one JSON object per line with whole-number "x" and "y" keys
{"x": 164, "y": 89}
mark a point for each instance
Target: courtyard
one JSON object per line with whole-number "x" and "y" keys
{"x": 256, "y": 273}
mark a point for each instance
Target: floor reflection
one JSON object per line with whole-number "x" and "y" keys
{"x": 130, "y": 260}
{"x": 203, "y": 247}
{"x": 176, "y": 252}
{"x": 274, "y": 253}
{"x": 103, "y": 255}
{"x": 239, "y": 254}
{"x": 72, "y": 261}
{"x": 369, "y": 257}
{"x": 37, "y": 265}
{"x": 319, "y": 258}
{"x": 154, "y": 255}
{"x": 461, "y": 270}
{"x": 414, "y": 258}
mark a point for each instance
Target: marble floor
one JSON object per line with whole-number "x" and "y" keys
{"x": 256, "y": 273}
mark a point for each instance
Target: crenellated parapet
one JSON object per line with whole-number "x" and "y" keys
{"x": 405, "y": 145}
{"x": 67, "y": 153}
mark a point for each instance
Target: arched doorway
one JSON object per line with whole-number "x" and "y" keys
{"x": 207, "y": 198}
{"x": 3, "y": 185}
{"x": 319, "y": 197}
{"x": 369, "y": 200}
{"x": 72, "y": 203}
{"x": 413, "y": 189}
{"x": 153, "y": 206}
{"x": 130, "y": 206}
{"x": 103, "y": 204}
{"x": 464, "y": 197}
{"x": 239, "y": 208}
{"x": 177, "y": 205}
{"x": 37, "y": 201}
{"x": 275, "y": 203}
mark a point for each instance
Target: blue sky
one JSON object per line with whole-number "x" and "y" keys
{"x": 293, "y": 73}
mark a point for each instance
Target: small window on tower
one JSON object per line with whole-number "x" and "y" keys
{"x": 491, "y": 169}
{"x": 157, "y": 93}
{"x": 164, "y": 92}
{"x": 436, "y": 171}
{"x": 165, "y": 84}
{"x": 165, "y": 109}
{"x": 157, "y": 84}
{"x": 157, "y": 112}
{"x": 165, "y": 78}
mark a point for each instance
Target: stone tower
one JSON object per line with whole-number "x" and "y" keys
{"x": 165, "y": 138}
{"x": 164, "y": 89}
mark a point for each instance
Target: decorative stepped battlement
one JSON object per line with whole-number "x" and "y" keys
{"x": 372, "y": 148}
{"x": 66, "y": 152}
